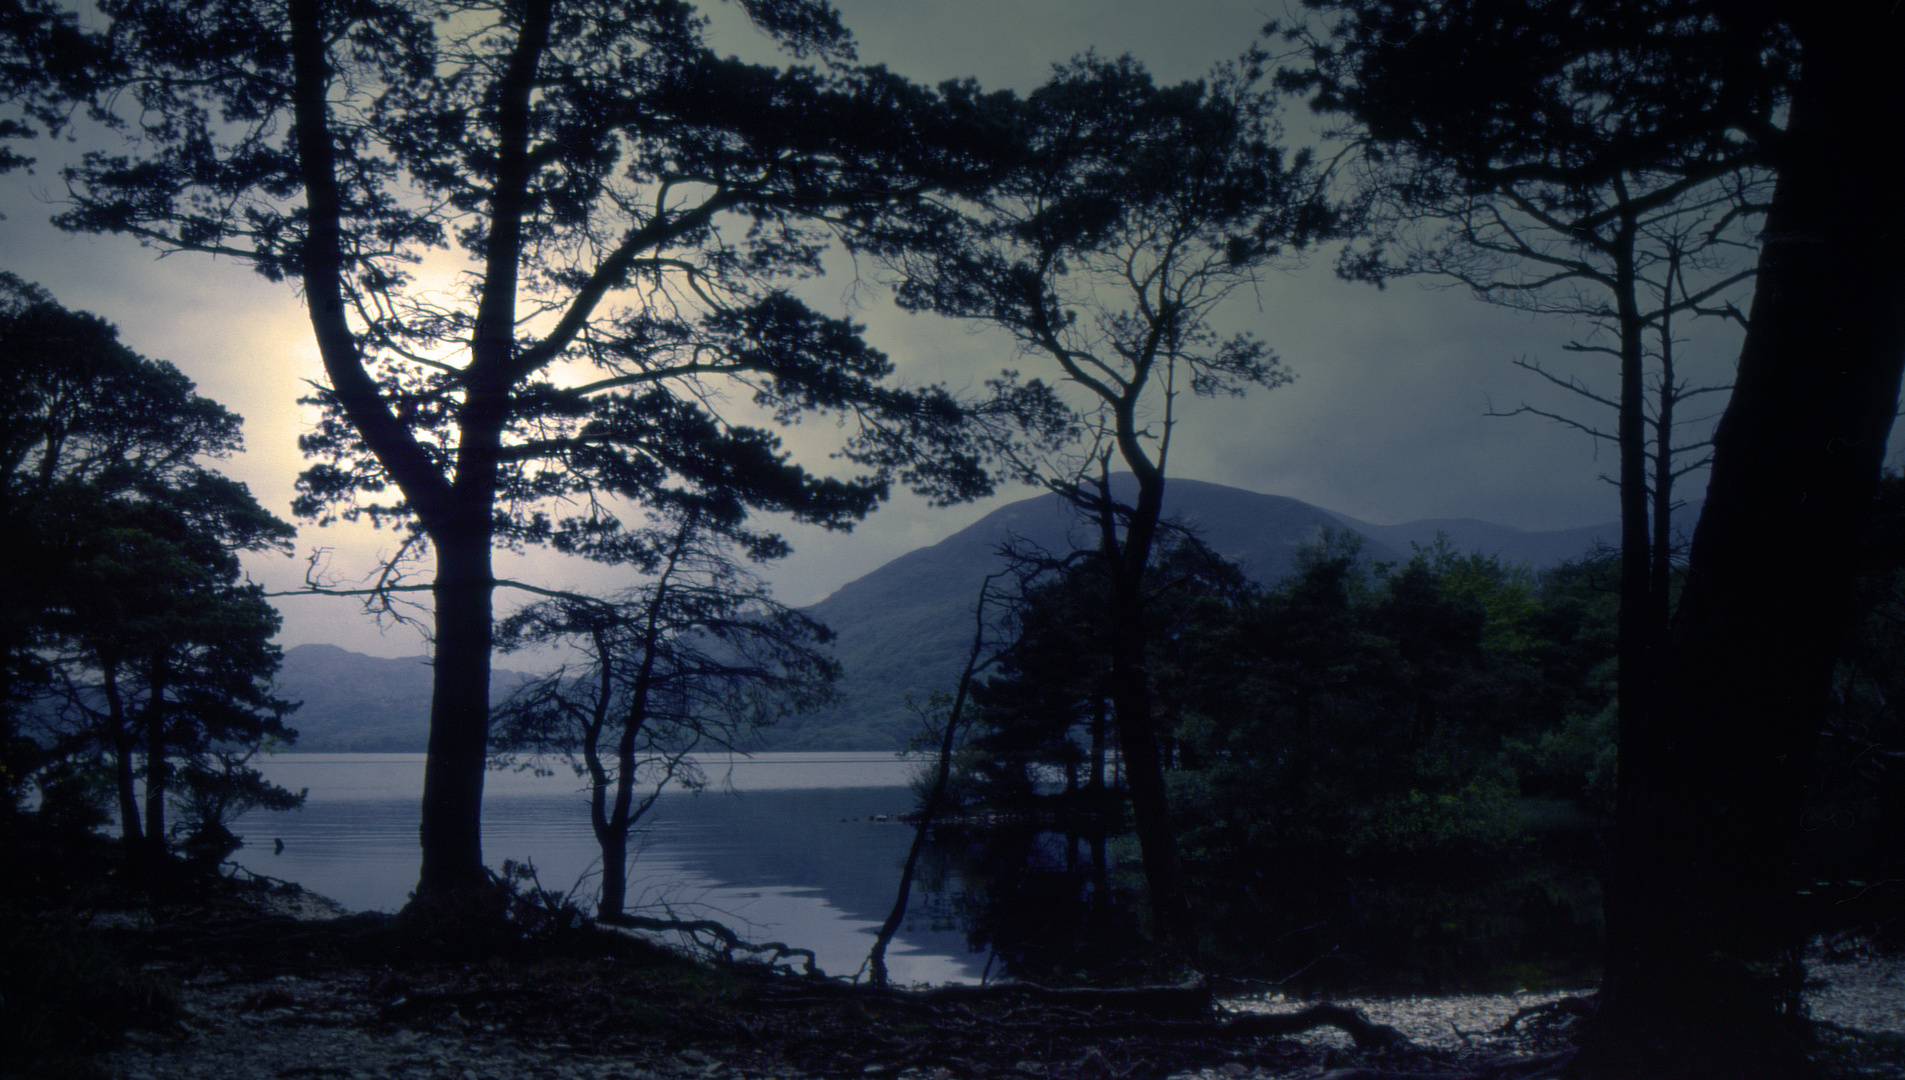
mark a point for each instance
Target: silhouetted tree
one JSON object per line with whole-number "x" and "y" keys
{"x": 1131, "y": 213}
{"x": 696, "y": 660}
{"x": 131, "y": 633}
{"x": 1566, "y": 159}
{"x": 1714, "y": 736}
{"x": 1701, "y": 916}
{"x": 626, "y": 208}
{"x": 948, "y": 714}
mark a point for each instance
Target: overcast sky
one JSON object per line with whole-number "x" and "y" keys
{"x": 1384, "y": 422}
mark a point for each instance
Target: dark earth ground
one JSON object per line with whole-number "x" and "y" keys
{"x": 260, "y": 981}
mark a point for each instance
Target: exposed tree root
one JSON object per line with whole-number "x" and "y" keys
{"x": 726, "y": 944}
{"x": 611, "y": 992}
{"x": 1549, "y": 1014}
{"x": 1364, "y": 1033}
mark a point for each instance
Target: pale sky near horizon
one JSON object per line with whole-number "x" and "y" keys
{"x": 1384, "y": 422}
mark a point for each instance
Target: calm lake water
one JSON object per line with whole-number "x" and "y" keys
{"x": 781, "y": 847}
{"x": 785, "y": 847}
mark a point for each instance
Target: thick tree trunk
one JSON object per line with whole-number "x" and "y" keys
{"x": 451, "y": 830}
{"x": 1699, "y": 905}
{"x": 614, "y": 894}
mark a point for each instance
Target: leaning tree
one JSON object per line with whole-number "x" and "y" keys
{"x": 545, "y": 248}
{"x": 1702, "y": 922}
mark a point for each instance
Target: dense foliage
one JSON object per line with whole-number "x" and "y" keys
{"x": 135, "y": 649}
{"x": 548, "y": 251}
{"x": 1361, "y": 732}
{"x": 1379, "y": 710}
{"x": 1358, "y": 707}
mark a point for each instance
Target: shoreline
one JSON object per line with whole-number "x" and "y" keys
{"x": 1856, "y": 988}
{"x": 370, "y": 1021}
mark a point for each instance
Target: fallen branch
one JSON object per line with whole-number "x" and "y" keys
{"x": 1549, "y": 1013}
{"x": 731, "y": 943}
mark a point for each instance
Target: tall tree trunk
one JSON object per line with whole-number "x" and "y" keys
{"x": 456, "y": 518}
{"x": 124, "y": 745}
{"x": 1661, "y": 584}
{"x": 1700, "y": 904}
{"x": 1126, "y": 558}
{"x": 1638, "y": 631}
{"x": 451, "y": 830}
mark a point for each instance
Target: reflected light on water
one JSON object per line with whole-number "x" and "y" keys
{"x": 781, "y": 847}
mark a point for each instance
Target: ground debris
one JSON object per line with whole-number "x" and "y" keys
{"x": 264, "y": 996}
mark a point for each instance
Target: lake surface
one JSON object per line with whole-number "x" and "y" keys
{"x": 785, "y": 847}
{"x": 781, "y": 847}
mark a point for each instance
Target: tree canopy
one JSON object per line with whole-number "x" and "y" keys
{"x": 547, "y": 252}
{"x": 131, "y": 632}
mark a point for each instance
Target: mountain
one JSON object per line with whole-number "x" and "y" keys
{"x": 905, "y": 628}
{"x": 1540, "y": 549}
{"x": 362, "y": 704}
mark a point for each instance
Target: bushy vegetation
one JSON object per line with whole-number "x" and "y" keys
{"x": 1360, "y": 708}
{"x": 1371, "y": 709}
{"x": 1415, "y": 726}
{"x": 138, "y": 657}
{"x": 1396, "y": 719}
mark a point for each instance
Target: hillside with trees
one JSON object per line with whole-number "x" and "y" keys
{"x": 353, "y": 702}
{"x": 923, "y": 599}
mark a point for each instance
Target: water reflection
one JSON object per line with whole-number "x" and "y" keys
{"x": 791, "y": 852}
{"x": 788, "y": 850}
{"x": 1057, "y": 907}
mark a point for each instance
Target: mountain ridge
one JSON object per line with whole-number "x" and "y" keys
{"x": 904, "y": 627}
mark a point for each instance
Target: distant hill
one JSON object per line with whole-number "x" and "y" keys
{"x": 905, "y": 627}
{"x": 363, "y": 704}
